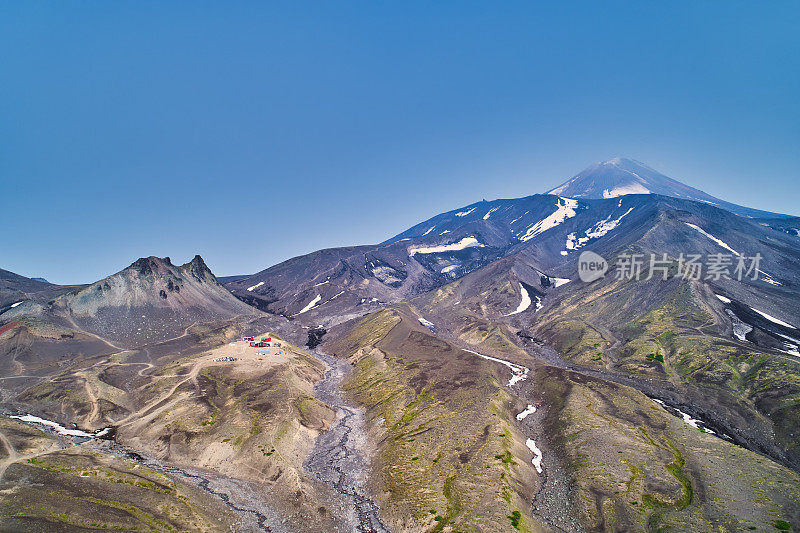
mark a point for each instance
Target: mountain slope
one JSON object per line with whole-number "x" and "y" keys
{"x": 723, "y": 350}
{"x": 15, "y": 288}
{"x": 353, "y": 281}
{"x": 605, "y": 457}
{"x": 148, "y": 301}
{"x": 620, "y": 176}
{"x": 790, "y": 226}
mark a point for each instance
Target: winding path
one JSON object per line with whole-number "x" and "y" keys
{"x": 13, "y": 456}
{"x": 139, "y": 415}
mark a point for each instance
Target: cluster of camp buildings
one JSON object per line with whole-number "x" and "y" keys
{"x": 218, "y": 359}
{"x": 265, "y": 342}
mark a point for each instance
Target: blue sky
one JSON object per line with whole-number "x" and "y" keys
{"x": 253, "y": 132}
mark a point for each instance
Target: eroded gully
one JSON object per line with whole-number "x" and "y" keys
{"x": 339, "y": 458}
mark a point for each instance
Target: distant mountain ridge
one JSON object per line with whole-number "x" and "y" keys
{"x": 15, "y": 289}
{"x": 605, "y": 208}
{"x": 622, "y": 176}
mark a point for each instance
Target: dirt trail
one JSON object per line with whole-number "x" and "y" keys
{"x": 136, "y": 416}
{"x": 94, "y": 414}
{"x": 75, "y": 326}
{"x": 13, "y": 456}
{"x": 339, "y": 457}
{"x": 182, "y": 335}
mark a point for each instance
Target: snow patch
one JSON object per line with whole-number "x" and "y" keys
{"x": 688, "y": 419}
{"x": 488, "y": 214}
{"x": 557, "y": 282}
{"x": 427, "y": 323}
{"x": 528, "y": 411}
{"x": 450, "y": 268}
{"x": 524, "y": 304}
{"x": 565, "y": 208}
{"x": 694, "y": 422}
{"x": 430, "y": 230}
{"x": 16, "y": 304}
{"x": 764, "y": 276}
{"x": 519, "y": 217}
{"x": 257, "y": 285}
{"x": 537, "y": 454}
{"x": 465, "y": 213}
{"x": 604, "y": 226}
{"x": 723, "y": 299}
{"x": 740, "y": 327}
{"x": 791, "y": 349}
{"x": 61, "y": 430}
{"x": 312, "y": 304}
{"x": 595, "y": 232}
{"x": 466, "y": 242}
{"x": 716, "y": 240}
{"x": 632, "y": 188}
{"x": 773, "y": 319}
{"x": 518, "y": 372}
{"x": 788, "y": 338}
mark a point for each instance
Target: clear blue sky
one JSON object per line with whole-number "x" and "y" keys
{"x": 250, "y": 133}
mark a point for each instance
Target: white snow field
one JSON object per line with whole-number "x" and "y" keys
{"x": 694, "y": 422}
{"x": 61, "y": 430}
{"x": 716, "y": 240}
{"x": 537, "y": 454}
{"x": 766, "y": 278}
{"x": 773, "y": 319}
{"x": 313, "y": 303}
{"x": 632, "y": 188}
{"x": 427, "y": 323}
{"x": 518, "y": 372}
{"x": 466, "y": 242}
{"x": 595, "y": 232}
{"x": 524, "y": 304}
{"x": 257, "y": 285}
{"x": 529, "y": 410}
{"x": 565, "y": 208}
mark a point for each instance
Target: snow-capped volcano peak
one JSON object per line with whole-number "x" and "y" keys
{"x": 621, "y": 176}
